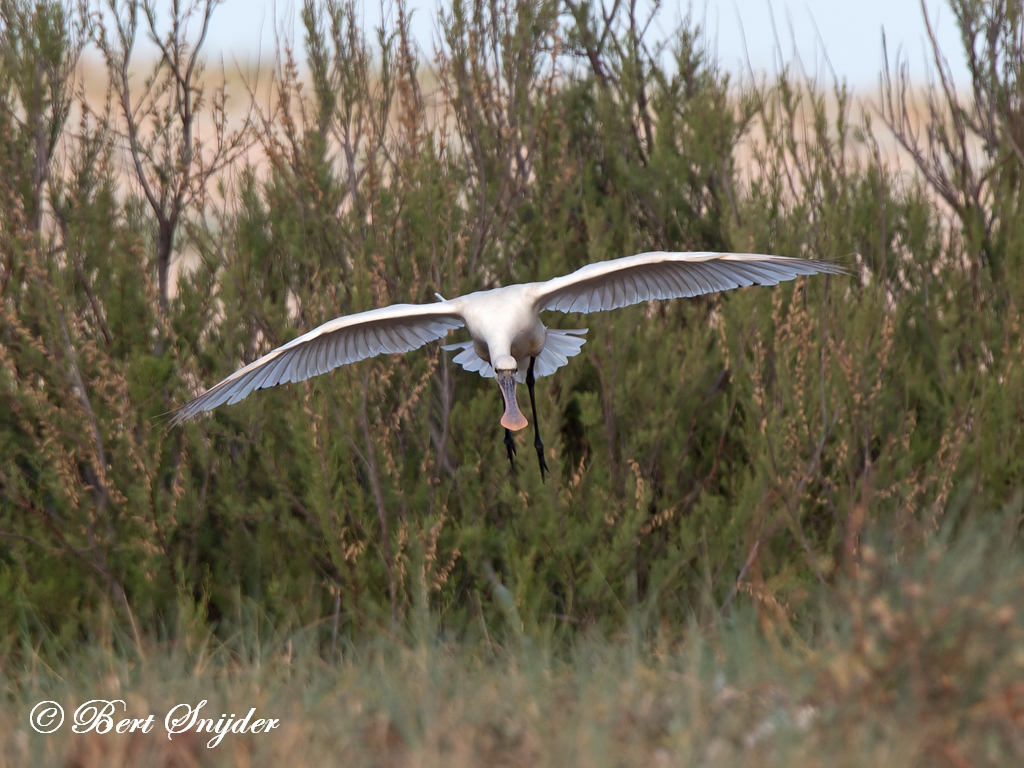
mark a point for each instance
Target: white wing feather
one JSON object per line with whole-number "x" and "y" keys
{"x": 469, "y": 359}
{"x": 559, "y": 346}
{"x": 665, "y": 275}
{"x": 394, "y": 329}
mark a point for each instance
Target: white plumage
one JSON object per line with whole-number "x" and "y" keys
{"x": 507, "y": 335}
{"x": 559, "y": 346}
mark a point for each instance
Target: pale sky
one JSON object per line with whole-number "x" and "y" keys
{"x": 850, "y": 31}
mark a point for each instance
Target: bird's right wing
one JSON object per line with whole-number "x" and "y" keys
{"x": 665, "y": 275}
{"x": 394, "y": 329}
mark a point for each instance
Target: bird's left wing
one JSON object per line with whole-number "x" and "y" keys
{"x": 665, "y": 275}
{"x": 394, "y": 329}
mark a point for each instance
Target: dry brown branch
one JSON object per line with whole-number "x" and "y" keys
{"x": 172, "y": 164}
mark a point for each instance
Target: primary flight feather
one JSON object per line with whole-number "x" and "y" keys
{"x": 508, "y": 340}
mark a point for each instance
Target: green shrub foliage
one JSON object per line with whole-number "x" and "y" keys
{"x": 705, "y": 452}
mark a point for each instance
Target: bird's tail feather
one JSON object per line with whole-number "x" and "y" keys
{"x": 558, "y": 348}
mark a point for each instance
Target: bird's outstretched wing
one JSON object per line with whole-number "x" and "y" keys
{"x": 665, "y": 275}
{"x": 394, "y": 329}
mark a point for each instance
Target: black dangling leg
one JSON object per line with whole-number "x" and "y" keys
{"x": 537, "y": 442}
{"x": 510, "y": 446}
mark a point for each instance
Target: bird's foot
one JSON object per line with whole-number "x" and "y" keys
{"x": 539, "y": 445}
{"x": 510, "y": 447}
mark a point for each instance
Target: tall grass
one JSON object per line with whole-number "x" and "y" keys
{"x": 916, "y": 661}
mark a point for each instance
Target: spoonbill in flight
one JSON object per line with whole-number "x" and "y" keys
{"x": 508, "y": 340}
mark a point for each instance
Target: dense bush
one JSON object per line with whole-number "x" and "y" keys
{"x": 706, "y": 453}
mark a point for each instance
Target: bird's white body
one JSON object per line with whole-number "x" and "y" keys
{"x": 507, "y": 338}
{"x": 516, "y": 330}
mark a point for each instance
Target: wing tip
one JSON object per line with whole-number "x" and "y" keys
{"x": 178, "y": 416}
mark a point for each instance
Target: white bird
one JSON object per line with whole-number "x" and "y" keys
{"x": 508, "y": 340}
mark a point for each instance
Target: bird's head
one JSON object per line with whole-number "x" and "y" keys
{"x": 505, "y": 369}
